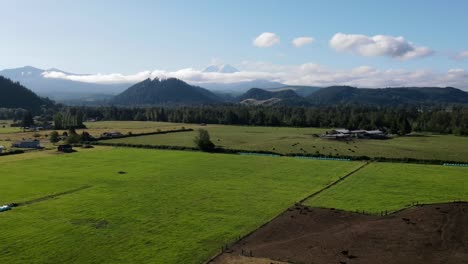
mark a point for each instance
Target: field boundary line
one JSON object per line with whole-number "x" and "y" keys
{"x": 282, "y": 212}
{"x": 52, "y": 196}
{"x": 334, "y": 183}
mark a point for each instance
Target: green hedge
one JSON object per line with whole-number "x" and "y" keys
{"x": 261, "y": 152}
{"x": 13, "y": 152}
{"x": 148, "y": 133}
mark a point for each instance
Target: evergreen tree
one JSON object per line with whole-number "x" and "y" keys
{"x": 28, "y": 120}
{"x": 203, "y": 141}
{"x": 54, "y": 137}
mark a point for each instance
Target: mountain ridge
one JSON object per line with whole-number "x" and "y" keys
{"x": 169, "y": 91}
{"x": 15, "y": 95}
{"x": 58, "y": 89}
{"x": 387, "y": 96}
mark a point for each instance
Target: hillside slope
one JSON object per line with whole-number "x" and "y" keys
{"x": 57, "y": 88}
{"x": 284, "y": 97}
{"x": 15, "y": 95}
{"x": 388, "y": 96}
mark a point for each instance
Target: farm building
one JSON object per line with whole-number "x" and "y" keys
{"x": 27, "y": 144}
{"x": 2, "y": 148}
{"x": 111, "y": 134}
{"x": 345, "y": 134}
{"x": 65, "y": 148}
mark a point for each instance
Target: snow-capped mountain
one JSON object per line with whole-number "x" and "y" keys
{"x": 221, "y": 68}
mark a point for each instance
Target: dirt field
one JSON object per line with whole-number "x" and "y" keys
{"x": 422, "y": 234}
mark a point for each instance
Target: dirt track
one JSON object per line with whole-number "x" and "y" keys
{"x": 422, "y": 234}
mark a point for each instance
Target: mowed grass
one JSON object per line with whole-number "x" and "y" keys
{"x": 301, "y": 140}
{"x": 168, "y": 206}
{"x": 392, "y": 186}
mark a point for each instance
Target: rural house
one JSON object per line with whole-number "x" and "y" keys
{"x": 345, "y": 134}
{"x": 30, "y": 143}
{"x": 2, "y": 148}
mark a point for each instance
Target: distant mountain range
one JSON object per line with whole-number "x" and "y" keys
{"x": 74, "y": 91}
{"x": 176, "y": 92}
{"x": 15, "y": 95}
{"x": 59, "y": 89}
{"x": 165, "y": 92}
{"x": 223, "y": 68}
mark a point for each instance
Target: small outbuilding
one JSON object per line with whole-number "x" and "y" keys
{"x": 2, "y": 148}
{"x": 35, "y": 144}
{"x": 111, "y": 134}
{"x": 348, "y": 134}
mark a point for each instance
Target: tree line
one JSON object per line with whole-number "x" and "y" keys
{"x": 395, "y": 120}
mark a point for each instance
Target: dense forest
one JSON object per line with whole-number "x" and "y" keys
{"x": 399, "y": 120}
{"x": 335, "y": 95}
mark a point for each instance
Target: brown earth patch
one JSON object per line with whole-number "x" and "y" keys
{"x": 236, "y": 259}
{"x": 422, "y": 234}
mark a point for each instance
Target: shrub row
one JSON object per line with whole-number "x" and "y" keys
{"x": 13, "y": 152}
{"x": 143, "y": 146}
{"x": 376, "y": 159}
{"x": 299, "y": 155}
{"x": 148, "y": 133}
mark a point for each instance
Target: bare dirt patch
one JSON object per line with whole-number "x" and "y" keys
{"x": 236, "y": 259}
{"x": 422, "y": 234}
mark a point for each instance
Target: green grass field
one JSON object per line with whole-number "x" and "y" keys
{"x": 169, "y": 206}
{"x": 301, "y": 140}
{"x": 277, "y": 139}
{"x": 5, "y": 127}
{"x": 392, "y": 186}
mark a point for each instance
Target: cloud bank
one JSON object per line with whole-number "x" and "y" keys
{"x": 304, "y": 74}
{"x": 462, "y": 55}
{"x": 302, "y": 41}
{"x": 378, "y": 45}
{"x": 266, "y": 40}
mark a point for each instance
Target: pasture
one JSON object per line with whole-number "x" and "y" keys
{"x": 302, "y": 140}
{"x": 276, "y": 139}
{"x": 392, "y": 186}
{"x": 6, "y": 128}
{"x": 145, "y": 206}
{"x": 9, "y": 134}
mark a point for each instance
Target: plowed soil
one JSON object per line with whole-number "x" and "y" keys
{"x": 422, "y": 234}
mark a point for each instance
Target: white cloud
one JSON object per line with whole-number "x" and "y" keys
{"x": 462, "y": 55}
{"x": 266, "y": 39}
{"x": 303, "y": 74}
{"x": 190, "y": 75}
{"x": 302, "y": 41}
{"x": 378, "y": 45}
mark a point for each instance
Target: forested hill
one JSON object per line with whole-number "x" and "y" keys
{"x": 388, "y": 96}
{"x": 260, "y": 94}
{"x": 283, "y": 97}
{"x": 165, "y": 92}
{"x": 15, "y": 95}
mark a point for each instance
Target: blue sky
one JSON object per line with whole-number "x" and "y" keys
{"x": 127, "y": 37}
